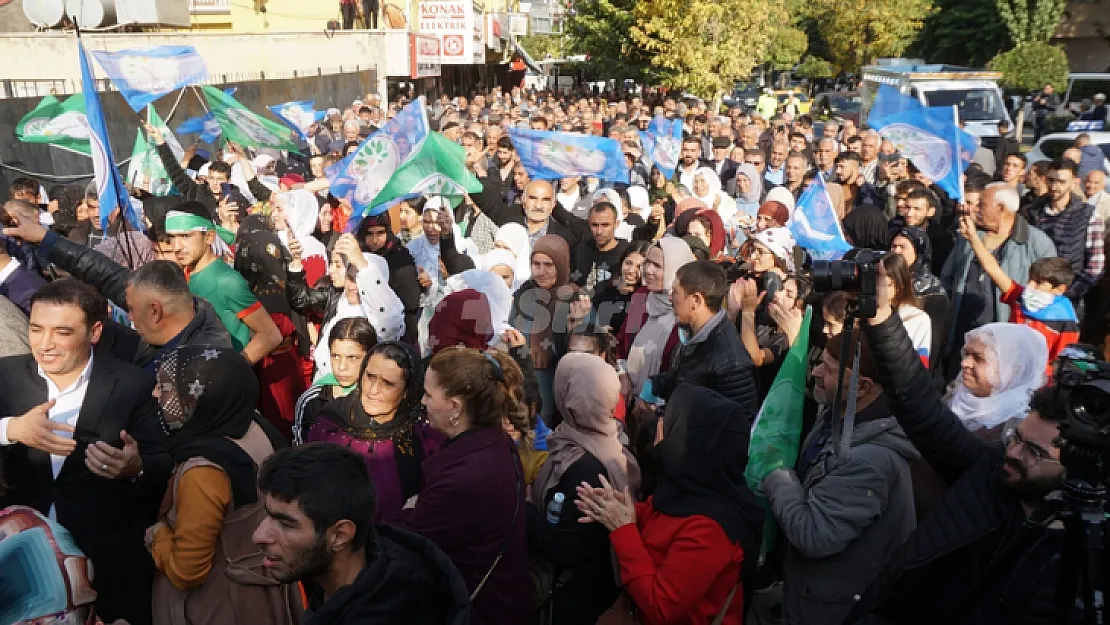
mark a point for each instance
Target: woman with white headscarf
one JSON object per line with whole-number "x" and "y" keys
{"x": 295, "y": 215}
{"x": 513, "y": 238}
{"x": 707, "y": 188}
{"x": 649, "y": 335}
{"x": 1003, "y": 363}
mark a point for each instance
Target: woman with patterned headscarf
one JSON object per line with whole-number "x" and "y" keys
{"x": 383, "y": 421}
{"x": 262, "y": 260}
{"x": 209, "y": 569}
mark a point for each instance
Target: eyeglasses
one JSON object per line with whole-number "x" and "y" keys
{"x": 1030, "y": 452}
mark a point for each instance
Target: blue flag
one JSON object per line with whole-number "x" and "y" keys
{"x": 548, "y": 155}
{"x": 109, "y": 185}
{"x": 362, "y": 175}
{"x": 930, "y": 138}
{"x": 144, "y": 75}
{"x": 206, "y": 126}
{"x": 663, "y": 143}
{"x": 815, "y": 225}
{"x": 889, "y": 101}
{"x": 298, "y": 115}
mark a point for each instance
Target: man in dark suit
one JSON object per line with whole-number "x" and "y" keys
{"x": 81, "y": 441}
{"x": 722, "y": 163}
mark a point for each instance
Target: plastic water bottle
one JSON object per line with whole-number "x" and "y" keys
{"x": 555, "y": 508}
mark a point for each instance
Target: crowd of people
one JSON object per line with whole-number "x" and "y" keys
{"x": 534, "y": 403}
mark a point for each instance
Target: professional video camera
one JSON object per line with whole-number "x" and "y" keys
{"x": 1081, "y": 395}
{"x": 857, "y": 272}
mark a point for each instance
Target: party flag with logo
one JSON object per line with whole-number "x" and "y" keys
{"x": 298, "y": 115}
{"x": 144, "y": 75}
{"x": 663, "y": 143}
{"x": 360, "y": 177}
{"x": 60, "y": 124}
{"x": 244, "y": 127}
{"x": 437, "y": 169}
{"x": 815, "y": 225}
{"x": 549, "y": 155}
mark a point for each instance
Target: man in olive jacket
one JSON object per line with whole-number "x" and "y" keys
{"x": 851, "y": 503}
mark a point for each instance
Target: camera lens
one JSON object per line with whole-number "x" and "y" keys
{"x": 835, "y": 275}
{"x": 1089, "y": 405}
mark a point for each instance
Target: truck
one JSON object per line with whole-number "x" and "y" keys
{"x": 974, "y": 92}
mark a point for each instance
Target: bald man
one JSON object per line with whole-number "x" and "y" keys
{"x": 1094, "y": 187}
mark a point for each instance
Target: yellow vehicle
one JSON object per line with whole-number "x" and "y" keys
{"x": 803, "y": 100}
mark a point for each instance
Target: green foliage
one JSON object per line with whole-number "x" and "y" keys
{"x": 705, "y": 46}
{"x": 962, "y": 32}
{"x": 602, "y": 29}
{"x": 856, "y": 32}
{"x": 1028, "y": 67}
{"x": 1031, "y": 21}
{"x": 788, "y": 44}
{"x": 540, "y": 47}
{"x": 815, "y": 67}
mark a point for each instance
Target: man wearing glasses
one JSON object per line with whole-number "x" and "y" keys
{"x": 987, "y": 552}
{"x": 1066, "y": 219}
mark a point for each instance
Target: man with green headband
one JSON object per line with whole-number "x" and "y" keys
{"x": 198, "y": 245}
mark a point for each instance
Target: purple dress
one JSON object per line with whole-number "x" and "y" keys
{"x": 393, "y": 453}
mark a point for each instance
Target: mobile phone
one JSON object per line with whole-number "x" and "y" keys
{"x": 225, "y": 189}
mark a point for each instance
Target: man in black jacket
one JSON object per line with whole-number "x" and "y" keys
{"x": 711, "y": 354}
{"x": 599, "y": 254}
{"x": 319, "y": 504}
{"x": 975, "y": 558}
{"x": 165, "y": 313}
{"x": 81, "y": 441}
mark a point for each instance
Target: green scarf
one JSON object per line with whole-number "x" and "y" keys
{"x": 329, "y": 380}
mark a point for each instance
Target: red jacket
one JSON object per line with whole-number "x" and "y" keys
{"x": 678, "y": 571}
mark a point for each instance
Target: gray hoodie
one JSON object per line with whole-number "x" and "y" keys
{"x": 845, "y": 516}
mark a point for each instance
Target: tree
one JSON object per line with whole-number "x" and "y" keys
{"x": 1029, "y": 66}
{"x": 856, "y": 32}
{"x": 540, "y": 47}
{"x": 602, "y": 30}
{"x": 787, "y": 46}
{"x": 815, "y": 67}
{"x": 962, "y": 32}
{"x": 705, "y": 46}
{"x": 1031, "y": 21}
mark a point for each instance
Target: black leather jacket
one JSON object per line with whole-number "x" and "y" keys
{"x": 954, "y": 567}
{"x": 110, "y": 278}
{"x": 719, "y": 362}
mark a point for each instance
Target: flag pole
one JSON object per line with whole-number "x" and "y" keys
{"x": 959, "y": 156}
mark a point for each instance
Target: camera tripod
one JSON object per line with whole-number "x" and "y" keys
{"x": 1081, "y": 582}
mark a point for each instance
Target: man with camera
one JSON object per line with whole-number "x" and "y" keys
{"x": 850, "y": 505}
{"x": 977, "y": 557}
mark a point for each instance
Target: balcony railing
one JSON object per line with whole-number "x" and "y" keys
{"x": 210, "y": 7}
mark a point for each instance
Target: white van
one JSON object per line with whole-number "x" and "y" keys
{"x": 974, "y": 92}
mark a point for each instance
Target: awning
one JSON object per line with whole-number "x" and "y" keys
{"x": 526, "y": 57}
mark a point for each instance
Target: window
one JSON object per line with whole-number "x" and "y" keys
{"x": 975, "y": 104}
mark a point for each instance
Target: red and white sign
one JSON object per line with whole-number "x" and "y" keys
{"x": 425, "y": 54}
{"x": 452, "y": 22}
{"x": 493, "y": 32}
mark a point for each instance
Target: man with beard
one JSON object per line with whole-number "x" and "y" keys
{"x": 319, "y": 503}
{"x": 977, "y": 553}
{"x": 690, "y": 160}
{"x": 599, "y": 254}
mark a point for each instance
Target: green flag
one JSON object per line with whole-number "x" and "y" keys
{"x": 145, "y": 169}
{"x": 244, "y": 127}
{"x": 60, "y": 124}
{"x": 777, "y": 432}
{"x": 439, "y": 168}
